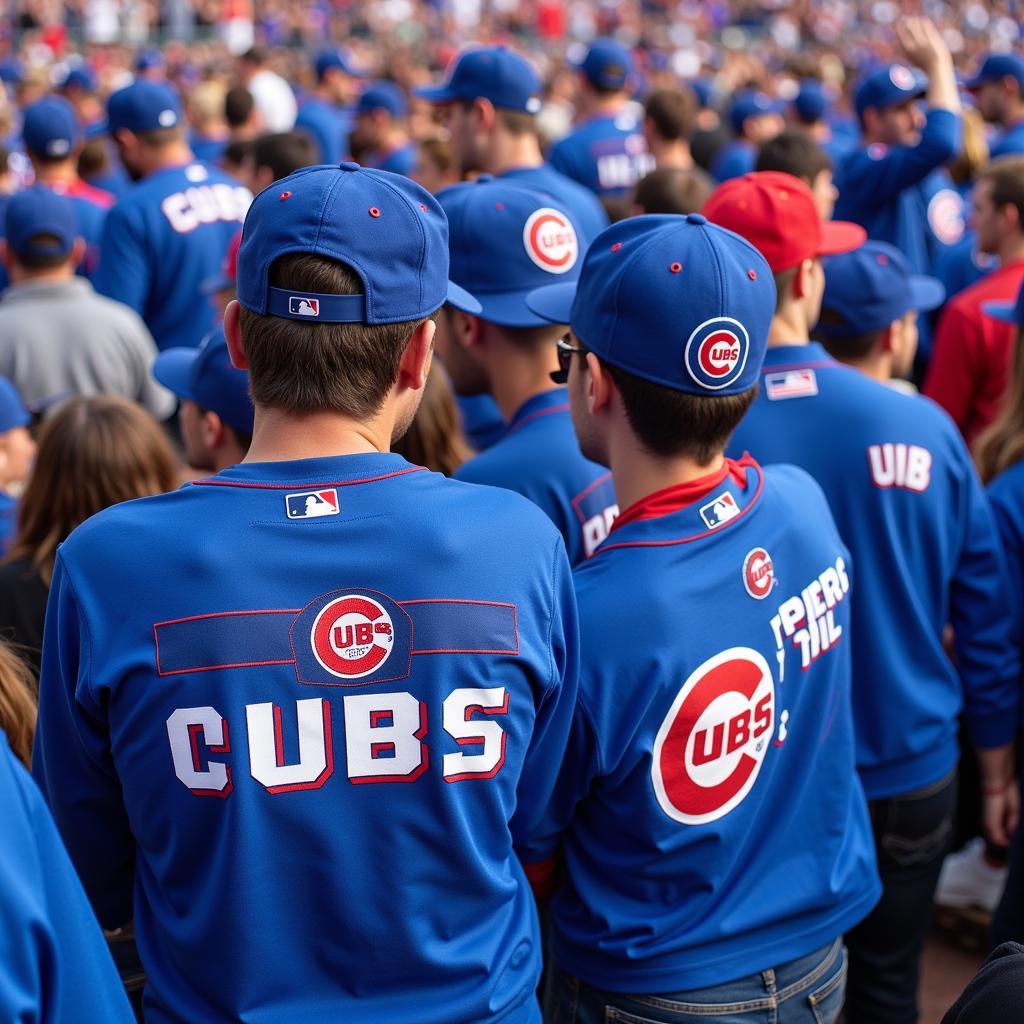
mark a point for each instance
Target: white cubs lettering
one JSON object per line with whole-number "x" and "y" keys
{"x": 205, "y": 204}
{"x": 459, "y": 708}
{"x": 901, "y": 465}
{"x": 597, "y": 528}
{"x": 266, "y": 746}
{"x": 383, "y": 737}
{"x": 712, "y": 743}
{"x": 808, "y": 618}
{"x": 186, "y": 728}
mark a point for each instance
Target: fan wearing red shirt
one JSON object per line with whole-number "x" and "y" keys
{"x": 971, "y": 360}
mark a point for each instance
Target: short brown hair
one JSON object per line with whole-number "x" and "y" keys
{"x": 516, "y": 122}
{"x": 673, "y": 190}
{"x": 673, "y": 423}
{"x": 93, "y": 452}
{"x": 1006, "y": 177}
{"x": 673, "y": 112}
{"x": 302, "y": 367}
{"x": 793, "y": 152}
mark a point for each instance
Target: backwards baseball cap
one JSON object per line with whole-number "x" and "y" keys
{"x": 675, "y": 300}
{"x": 492, "y": 73}
{"x": 388, "y": 229}
{"x": 227, "y": 276}
{"x": 995, "y": 67}
{"x": 40, "y": 223}
{"x": 748, "y": 103}
{"x": 777, "y": 213}
{"x": 204, "y": 375}
{"x": 49, "y": 128}
{"x": 328, "y": 60}
{"x": 811, "y": 101}
{"x": 889, "y": 86}
{"x": 869, "y": 288}
{"x": 12, "y": 409}
{"x": 1008, "y": 312}
{"x": 505, "y": 242}
{"x": 382, "y": 95}
{"x": 143, "y": 106}
{"x": 607, "y": 65}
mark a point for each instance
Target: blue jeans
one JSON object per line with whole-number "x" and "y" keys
{"x": 808, "y": 990}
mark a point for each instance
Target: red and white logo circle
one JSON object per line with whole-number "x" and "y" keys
{"x": 352, "y": 636}
{"x": 902, "y": 77}
{"x": 712, "y": 743}
{"x": 716, "y": 352}
{"x": 946, "y": 216}
{"x": 719, "y": 353}
{"x": 758, "y": 573}
{"x": 550, "y": 241}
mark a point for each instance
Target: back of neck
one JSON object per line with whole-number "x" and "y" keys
{"x": 788, "y": 327}
{"x": 284, "y": 437}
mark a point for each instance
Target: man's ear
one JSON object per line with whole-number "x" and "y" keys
{"x": 485, "y": 114}
{"x": 466, "y": 328}
{"x": 414, "y": 366}
{"x": 233, "y": 334}
{"x": 802, "y": 279}
{"x": 213, "y": 430}
{"x": 600, "y": 386}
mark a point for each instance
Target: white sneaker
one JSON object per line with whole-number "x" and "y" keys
{"x": 968, "y": 880}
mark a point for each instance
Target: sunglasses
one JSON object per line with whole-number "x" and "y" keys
{"x": 564, "y": 351}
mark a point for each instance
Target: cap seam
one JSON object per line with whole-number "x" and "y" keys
{"x": 423, "y": 247}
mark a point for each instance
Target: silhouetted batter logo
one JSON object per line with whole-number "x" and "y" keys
{"x": 299, "y": 305}
{"x": 352, "y": 636}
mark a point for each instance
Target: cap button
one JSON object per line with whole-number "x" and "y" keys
{"x": 350, "y": 165}
{"x": 484, "y": 178}
{"x": 696, "y": 218}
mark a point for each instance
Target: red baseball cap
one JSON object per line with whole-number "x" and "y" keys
{"x": 777, "y": 214}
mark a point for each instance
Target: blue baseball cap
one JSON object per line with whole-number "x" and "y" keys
{"x": 506, "y": 242}
{"x": 1008, "y": 312}
{"x": 142, "y": 107}
{"x": 388, "y": 229}
{"x": 12, "y": 71}
{"x": 811, "y": 101}
{"x": 889, "y": 86}
{"x": 149, "y": 58}
{"x": 204, "y": 375}
{"x": 748, "y": 103}
{"x": 704, "y": 90}
{"x": 871, "y": 287}
{"x": 675, "y": 300}
{"x": 492, "y": 73}
{"x": 607, "y": 65}
{"x": 35, "y": 212}
{"x": 382, "y": 95}
{"x": 328, "y": 60}
{"x": 50, "y": 128}
{"x": 995, "y": 67}
{"x": 12, "y": 409}
{"x": 81, "y": 77}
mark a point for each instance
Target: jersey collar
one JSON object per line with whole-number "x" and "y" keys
{"x": 334, "y": 471}
{"x": 547, "y": 403}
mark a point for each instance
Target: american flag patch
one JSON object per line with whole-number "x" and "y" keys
{"x": 790, "y": 384}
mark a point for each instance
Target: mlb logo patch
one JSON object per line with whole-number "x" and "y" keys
{"x": 790, "y": 384}
{"x": 311, "y": 504}
{"x": 719, "y": 511}
{"x": 299, "y": 305}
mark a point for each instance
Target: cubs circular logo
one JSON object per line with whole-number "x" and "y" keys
{"x": 902, "y": 77}
{"x": 716, "y": 353}
{"x": 713, "y": 741}
{"x": 946, "y": 216}
{"x": 550, "y": 241}
{"x": 352, "y": 636}
{"x": 758, "y": 573}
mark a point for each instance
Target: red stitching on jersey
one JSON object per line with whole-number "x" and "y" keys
{"x": 211, "y": 668}
{"x": 586, "y": 490}
{"x": 686, "y": 540}
{"x": 308, "y": 487}
{"x": 537, "y": 415}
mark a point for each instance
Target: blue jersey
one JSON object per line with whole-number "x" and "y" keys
{"x": 55, "y": 967}
{"x": 206, "y": 149}
{"x": 163, "y": 239}
{"x": 1006, "y": 494}
{"x": 585, "y": 207}
{"x": 482, "y": 421}
{"x": 397, "y": 161}
{"x": 1010, "y": 142}
{"x": 734, "y": 159}
{"x": 716, "y": 823}
{"x": 607, "y": 154}
{"x": 925, "y": 550}
{"x": 896, "y": 194}
{"x": 376, "y": 704}
{"x": 962, "y": 265}
{"x": 540, "y": 458}
{"x": 328, "y": 125}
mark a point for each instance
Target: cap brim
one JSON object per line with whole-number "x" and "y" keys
{"x": 173, "y": 367}
{"x": 839, "y": 236}
{"x": 553, "y": 302}
{"x": 439, "y": 94}
{"x": 1005, "y": 311}
{"x": 220, "y": 283}
{"x": 510, "y": 309}
{"x": 95, "y": 130}
{"x": 926, "y": 293}
{"x": 461, "y": 299}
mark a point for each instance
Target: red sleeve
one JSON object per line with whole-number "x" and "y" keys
{"x": 952, "y": 375}
{"x": 542, "y": 878}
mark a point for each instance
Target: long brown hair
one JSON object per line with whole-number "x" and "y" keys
{"x": 17, "y": 703}
{"x": 92, "y": 453}
{"x": 435, "y": 438}
{"x": 1002, "y": 444}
